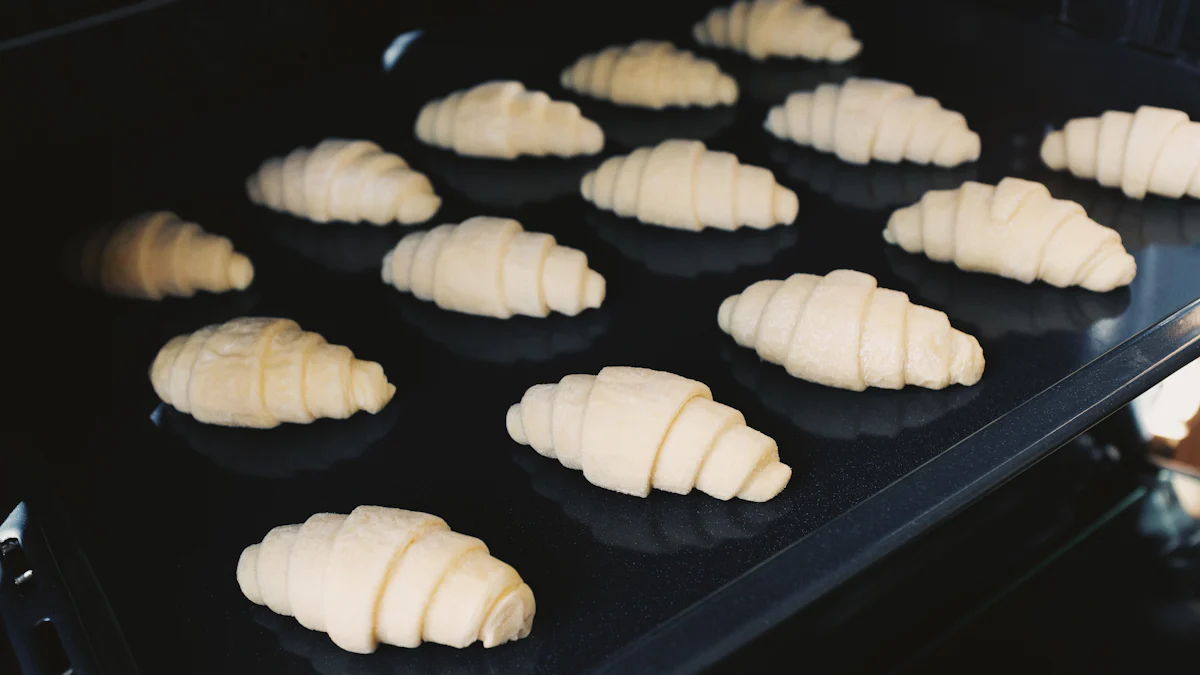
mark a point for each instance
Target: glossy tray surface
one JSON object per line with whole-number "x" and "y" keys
{"x": 167, "y": 504}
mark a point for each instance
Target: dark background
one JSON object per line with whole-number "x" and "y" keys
{"x": 77, "y": 84}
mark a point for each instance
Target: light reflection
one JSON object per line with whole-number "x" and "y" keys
{"x": 399, "y": 45}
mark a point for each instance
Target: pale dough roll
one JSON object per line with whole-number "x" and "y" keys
{"x": 259, "y": 372}
{"x": 783, "y": 28}
{"x": 493, "y": 267}
{"x": 387, "y": 575}
{"x": 346, "y": 180}
{"x": 631, "y": 429}
{"x": 1153, "y": 150}
{"x": 683, "y": 185}
{"x": 1015, "y": 229}
{"x": 841, "y": 330}
{"x": 861, "y": 120}
{"x": 501, "y": 119}
{"x": 156, "y": 255}
{"x": 650, "y": 74}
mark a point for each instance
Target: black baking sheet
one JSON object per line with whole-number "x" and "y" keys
{"x": 163, "y": 505}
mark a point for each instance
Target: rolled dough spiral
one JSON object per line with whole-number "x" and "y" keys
{"x": 650, "y": 74}
{"x": 786, "y": 28}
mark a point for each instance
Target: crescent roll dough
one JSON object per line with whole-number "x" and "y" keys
{"x": 631, "y": 429}
{"x": 346, "y": 180}
{"x": 682, "y": 184}
{"x": 501, "y": 119}
{"x": 650, "y": 74}
{"x": 866, "y": 119}
{"x": 155, "y": 255}
{"x": 1015, "y": 230}
{"x": 841, "y": 330}
{"x": 493, "y": 267}
{"x": 258, "y": 372}
{"x": 1155, "y": 150}
{"x": 387, "y": 575}
{"x": 787, "y": 28}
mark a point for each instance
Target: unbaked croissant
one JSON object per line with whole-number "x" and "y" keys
{"x": 684, "y": 185}
{"x": 867, "y": 119}
{"x": 787, "y": 28}
{"x": 259, "y": 372}
{"x": 842, "y": 330}
{"x": 631, "y": 429}
{"x": 501, "y": 119}
{"x": 154, "y": 255}
{"x": 1015, "y": 230}
{"x": 346, "y": 180}
{"x": 1155, "y": 150}
{"x": 650, "y": 74}
{"x": 493, "y": 267}
{"x": 387, "y": 575}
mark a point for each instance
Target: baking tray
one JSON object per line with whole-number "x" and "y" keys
{"x": 162, "y": 505}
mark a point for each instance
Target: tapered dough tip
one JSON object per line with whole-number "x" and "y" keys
{"x": 966, "y": 361}
{"x": 591, "y": 137}
{"x": 254, "y": 190}
{"x": 727, "y": 90}
{"x": 247, "y": 574}
{"x": 844, "y": 50}
{"x": 1054, "y": 150}
{"x": 594, "y": 289}
{"x": 587, "y": 186}
{"x": 418, "y": 208}
{"x": 776, "y": 121}
{"x": 787, "y": 206}
{"x": 725, "y": 312}
{"x": 512, "y": 420}
{"x": 241, "y": 271}
{"x": 1116, "y": 271}
{"x": 511, "y": 618}
{"x": 767, "y": 483}
{"x": 372, "y": 391}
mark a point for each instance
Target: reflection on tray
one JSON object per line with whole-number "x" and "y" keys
{"x": 634, "y": 127}
{"x": 837, "y": 413}
{"x": 327, "y": 658}
{"x": 504, "y": 341}
{"x": 339, "y": 247}
{"x": 771, "y": 81}
{"x": 993, "y": 306}
{"x": 1155, "y": 220}
{"x": 504, "y": 184}
{"x": 874, "y": 186}
{"x": 286, "y": 450}
{"x": 659, "y": 525}
{"x": 678, "y": 253}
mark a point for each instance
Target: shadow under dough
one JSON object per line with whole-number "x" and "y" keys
{"x": 839, "y": 414}
{"x": 1154, "y": 220}
{"x": 679, "y": 253}
{"x": 509, "y": 184}
{"x": 992, "y": 306}
{"x": 503, "y": 341}
{"x": 660, "y": 524}
{"x": 874, "y": 186}
{"x": 288, "y": 449}
{"x": 638, "y": 127}
{"x": 339, "y": 247}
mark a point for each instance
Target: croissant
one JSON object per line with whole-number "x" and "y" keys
{"x": 493, "y": 267}
{"x": 787, "y": 28}
{"x": 1015, "y": 230}
{"x": 387, "y": 575}
{"x": 631, "y": 429}
{"x": 345, "y": 180}
{"x": 1154, "y": 150}
{"x": 258, "y": 372}
{"x": 154, "y": 255}
{"x": 841, "y": 330}
{"x": 501, "y": 119}
{"x": 650, "y": 74}
{"x": 682, "y": 184}
{"x": 864, "y": 119}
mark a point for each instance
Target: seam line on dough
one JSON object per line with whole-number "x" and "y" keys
{"x": 141, "y": 261}
{"x": 191, "y": 381}
{"x": 695, "y": 172}
{"x": 397, "y": 555}
{"x": 915, "y": 121}
{"x": 862, "y": 331}
{"x": 658, "y": 448}
{"x": 453, "y": 564}
{"x": 587, "y": 405}
{"x": 492, "y": 607}
{"x": 904, "y": 343}
{"x": 503, "y": 254}
{"x": 309, "y": 349}
{"x": 1088, "y": 263}
{"x": 762, "y": 320}
{"x": 1162, "y": 148}
{"x": 268, "y": 339}
{"x": 1041, "y": 256}
{"x": 787, "y": 361}
{"x": 712, "y": 444}
{"x": 763, "y": 462}
{"x": 637, "y": 184}
{"x": 543, "y": 304}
